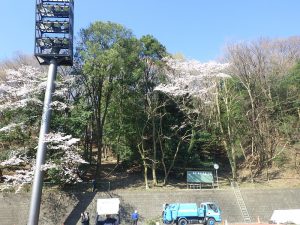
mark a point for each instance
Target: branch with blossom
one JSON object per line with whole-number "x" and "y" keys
{"x": 70, "y": 159}
{"x": 15, "y": 160}
{"x": 20, "y": 91}
{"x": 21, "y": 87}
{"x": 20, "y": 176}
{"x": 192, "y": 77}
{"x": 66, "y": 166}
{"x": 193, "y": 86}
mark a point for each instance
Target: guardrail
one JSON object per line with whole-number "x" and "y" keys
{"x": 77, "y": 187}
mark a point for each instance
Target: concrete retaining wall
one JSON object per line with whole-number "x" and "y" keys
{"x": 65, "y": 208}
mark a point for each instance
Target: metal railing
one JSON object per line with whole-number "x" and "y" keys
{"x": 77, "y": 187}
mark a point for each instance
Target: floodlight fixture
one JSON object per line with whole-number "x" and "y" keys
{"x": 54, "y": 25}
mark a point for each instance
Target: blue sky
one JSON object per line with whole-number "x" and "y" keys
{"x": 199, "y": 29}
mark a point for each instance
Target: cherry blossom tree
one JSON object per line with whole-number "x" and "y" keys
{"x": 64, "y": 146}
{"x": 21, "y": 92}
{"x": 66, "y": 165}
{"x": 195, "y": 87}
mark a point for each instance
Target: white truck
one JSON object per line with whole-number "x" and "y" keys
{"x": 108, "y": 211}
{"x": 284, "y": 216}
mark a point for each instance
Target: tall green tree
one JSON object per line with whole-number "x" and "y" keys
{"x": 126, "y": 104}
{"x": 101, "y": 63}
{"x": 135, "y": 104}
{"x": 152, "y": 53}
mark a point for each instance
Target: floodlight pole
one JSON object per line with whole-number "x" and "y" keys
{"x": 41, "y": 152}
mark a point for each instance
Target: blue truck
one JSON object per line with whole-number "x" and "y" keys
{"x": 189, "y": 213}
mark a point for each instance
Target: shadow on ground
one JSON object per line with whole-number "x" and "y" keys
{"x": 84, "y": 200}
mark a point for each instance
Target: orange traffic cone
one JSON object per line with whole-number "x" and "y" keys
{"x": 258, "y": 220}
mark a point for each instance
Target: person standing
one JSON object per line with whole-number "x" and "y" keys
{"x": 94, "y": 184}
{"x": 110, "y": 220}
{"x": 87, "y": 217}
{"x": 83, "y": 219}
{"x": 135, "y": 217}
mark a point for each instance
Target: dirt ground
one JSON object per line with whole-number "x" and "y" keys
{"x": 122, "y": 178}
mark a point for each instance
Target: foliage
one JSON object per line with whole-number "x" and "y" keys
{"x": 155, "y": 111}
{"x": 102, "y": 62}
{"x": 261, "y": 68}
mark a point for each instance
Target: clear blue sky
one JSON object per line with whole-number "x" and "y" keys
{"x": 197, "y": 28}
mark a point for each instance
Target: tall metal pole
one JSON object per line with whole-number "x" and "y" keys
{"x": 217, "y": 178}
{"x": 216, "y": 166}
{"x": 41, "y": 152}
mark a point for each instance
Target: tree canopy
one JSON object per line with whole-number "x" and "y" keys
{"x": 163, "y": 114}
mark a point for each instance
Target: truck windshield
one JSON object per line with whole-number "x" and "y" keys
{"x": 212, "y": 207}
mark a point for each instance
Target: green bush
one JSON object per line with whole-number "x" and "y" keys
{"x": 280, "y": 160}
{"x": 153, "y": 221}
{"x": 54, "y": 176}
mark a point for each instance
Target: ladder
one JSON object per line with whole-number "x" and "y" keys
{"x": 240, "y": 202}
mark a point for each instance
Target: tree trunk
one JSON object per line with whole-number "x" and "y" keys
{"x": 173, "y": 161}
{"x": 227, "y": 136}
{"x": 154, "y": 181}
{"x": 143, "y": 156}
{"x": 99, "y": 137}
{"x": 233, "y": 164}
{"x": 86, "y": 143}
{"x": 145, "y": 174}
{"x": 91, "y": 143}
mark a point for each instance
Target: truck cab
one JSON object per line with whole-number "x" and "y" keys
{"x": 211, "y": 212}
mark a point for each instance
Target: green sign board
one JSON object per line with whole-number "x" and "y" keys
{"x": 199, "y": 177}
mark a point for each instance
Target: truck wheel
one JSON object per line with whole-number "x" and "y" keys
{"x": 211, "y": 221}
{"x": 182, "y": 222}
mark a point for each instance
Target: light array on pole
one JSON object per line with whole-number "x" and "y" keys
{"x": 54, "y": 31}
